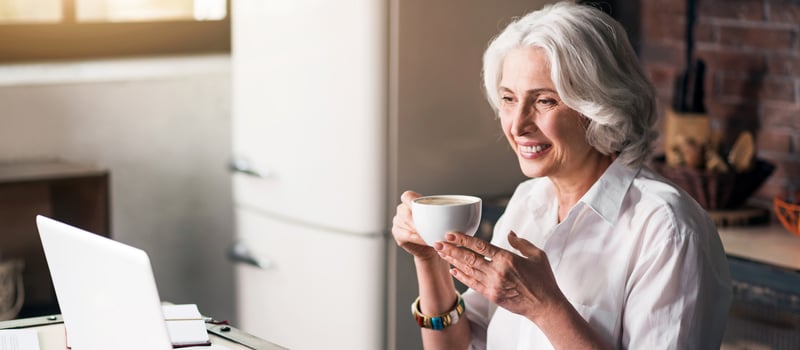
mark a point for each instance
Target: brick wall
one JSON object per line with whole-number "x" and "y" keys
{"x": 752, "y": 53}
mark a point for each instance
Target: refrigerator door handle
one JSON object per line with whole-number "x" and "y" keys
{"x": 243, "y": 166}
{"x": 240, "y": 253}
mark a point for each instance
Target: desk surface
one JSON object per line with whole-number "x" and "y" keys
{"x": 51, "y": 333}
{"x": 771, "y": 244}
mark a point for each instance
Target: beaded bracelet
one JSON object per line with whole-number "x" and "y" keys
{"x": 438, "y": 322}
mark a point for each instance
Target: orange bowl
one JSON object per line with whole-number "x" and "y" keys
{"x": 788, "y": 214}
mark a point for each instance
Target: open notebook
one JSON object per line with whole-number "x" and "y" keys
{"x": 108, "y": 295}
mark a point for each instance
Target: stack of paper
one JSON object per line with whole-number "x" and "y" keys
{"x": 185, "y": 325}
{"x": 19, "y": 339}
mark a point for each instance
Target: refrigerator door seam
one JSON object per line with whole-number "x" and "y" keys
{"x": 371, "y": 234}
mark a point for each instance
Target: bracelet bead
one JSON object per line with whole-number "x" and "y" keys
{"x": 441, "y": 321}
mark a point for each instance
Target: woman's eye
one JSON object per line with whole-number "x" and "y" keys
{"x": 546, "y": 101}
{"x": 506, "y": 99}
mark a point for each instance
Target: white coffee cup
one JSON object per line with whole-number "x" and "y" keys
{"x": 436, "y": 215}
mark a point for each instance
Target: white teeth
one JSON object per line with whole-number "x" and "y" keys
{"x": 533, "y": 149}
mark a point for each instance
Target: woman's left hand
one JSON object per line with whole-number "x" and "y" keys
{"x": 524, "y": 284}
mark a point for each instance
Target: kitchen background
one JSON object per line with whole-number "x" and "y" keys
{"x": 752, "y": 53}
{"x": 162, "y": 124}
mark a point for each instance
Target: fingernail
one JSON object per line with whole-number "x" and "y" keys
{"x": 438, "y": 246}
{"x": 450, "y": 237}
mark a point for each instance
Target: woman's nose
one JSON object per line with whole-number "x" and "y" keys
{"x": 523, "y": 122}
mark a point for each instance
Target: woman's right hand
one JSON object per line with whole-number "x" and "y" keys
{"x": 404, "y": 232}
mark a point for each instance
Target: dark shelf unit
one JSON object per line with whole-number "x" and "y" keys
{"x": 73, "y": 193}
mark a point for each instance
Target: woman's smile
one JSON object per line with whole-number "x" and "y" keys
{"x": 532, "y": 151}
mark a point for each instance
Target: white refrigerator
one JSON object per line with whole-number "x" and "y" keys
{"x": 339, "y": 106}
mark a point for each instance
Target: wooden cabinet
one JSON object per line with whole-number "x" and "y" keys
{"x": 72, "y": 193}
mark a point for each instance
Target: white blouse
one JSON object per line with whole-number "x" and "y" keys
{"x": 637, "y": 257}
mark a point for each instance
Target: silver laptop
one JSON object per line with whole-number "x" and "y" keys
{"x": 106, "y": 290}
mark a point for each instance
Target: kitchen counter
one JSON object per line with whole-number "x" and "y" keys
{"x": 764, "y": 263}
{"x": 769, "y": 244}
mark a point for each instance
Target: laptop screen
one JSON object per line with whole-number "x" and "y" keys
{"x": 105, "y": 289}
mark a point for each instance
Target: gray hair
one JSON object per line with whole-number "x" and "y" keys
{"x": 595, "y": 72}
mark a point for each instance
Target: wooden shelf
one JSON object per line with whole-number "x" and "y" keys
{"x": 72, "y": 193}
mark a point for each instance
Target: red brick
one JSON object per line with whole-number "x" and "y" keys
{"x": 787, "y": 168}
{"x": 772, "y": 139}
{"x": 796, "y": 145}
{"x": 664, "y": 53}
{"x": 731, "y": 61}
{"x": 661, "y": 26}
{"x": 663, "y": 6}
{"x": 778, "y": 90}
{"x": 662, "y": 75}
{"x": 704, "y": 32}
{"x": 784, "y": 65}
{"x": 757, "y": 37}
{"x": 751, "y": 10}
{"x": 784, "y": 11}
{"x": 734, "y": 115}
{"x": 756, "y": 86}
{"x": 751, "y": 49}
{"x": 786, "y": 116}
{"x": 737, "y": 86}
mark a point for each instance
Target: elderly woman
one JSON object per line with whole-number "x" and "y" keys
{"x": 595, "y": 250}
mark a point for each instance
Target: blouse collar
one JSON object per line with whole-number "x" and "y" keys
{"x": 606, "y": 195}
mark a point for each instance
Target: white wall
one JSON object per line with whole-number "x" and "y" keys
{"x": 162, "y": 128}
